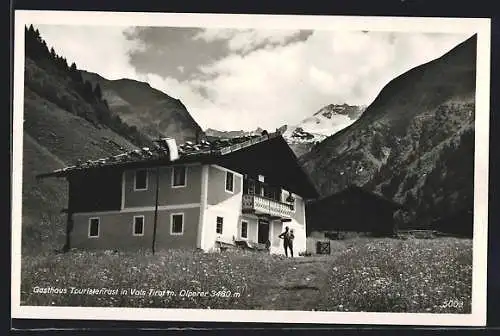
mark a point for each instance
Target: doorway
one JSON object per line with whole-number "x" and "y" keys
{"x": 263, "y": 231}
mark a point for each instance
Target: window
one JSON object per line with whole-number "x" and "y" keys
{"x": 141, "y": 180}
{"x": 94, "y": 227}
{"x": 262, "y": 189}
{"x": 249, "y": 186}
{"x": 229, "y": 181}
{"x": 290, "y": 200}
{"x": 220, "y": 222}
{"x": 179, "y": 176}
{"x": 244, "y": 229}
{"x": 291, "y": 204}
{"x": 138, "y": 225}
{"x": 177, "y": 224}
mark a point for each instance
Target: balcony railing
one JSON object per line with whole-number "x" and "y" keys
{"x": 263, "y": 205}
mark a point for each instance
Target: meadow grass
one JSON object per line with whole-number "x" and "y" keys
{"x": 385, "y": 275}
{"x": 415, "y": 275}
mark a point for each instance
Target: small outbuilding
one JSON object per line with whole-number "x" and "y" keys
{"x": 354, "y": 209}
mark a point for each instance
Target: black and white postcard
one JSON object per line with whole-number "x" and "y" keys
{"x": 250, "y": 168}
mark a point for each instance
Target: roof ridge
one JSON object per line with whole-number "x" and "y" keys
{"x": 248, "y": 143}
{"x": 186, "y": 149}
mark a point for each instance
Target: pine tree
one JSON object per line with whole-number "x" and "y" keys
{"x": 44, "y": 49}
{"x": 28, "y": 45}
{"x": 37, "y": 35}
{"x": 72, "y": 70}
{"x": 53, "y": 53}
{"x": 75, "y": 73}
{"x": 64, "y": 63}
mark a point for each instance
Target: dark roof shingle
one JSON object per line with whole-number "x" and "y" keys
{"x": 188, "y": 151}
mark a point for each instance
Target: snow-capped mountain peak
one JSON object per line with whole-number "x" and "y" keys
{"x": 324, "y": 123}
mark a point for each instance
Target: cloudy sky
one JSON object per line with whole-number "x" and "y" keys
{"x": 241, "y": 79}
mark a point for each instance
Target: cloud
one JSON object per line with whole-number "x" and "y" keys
{"x": 171, "y": 51}
{"x": 245, "y": 40}
{"x": 288, "y": 83}
{"x": 103, "y": 50}
{"x": 243, "y": 79}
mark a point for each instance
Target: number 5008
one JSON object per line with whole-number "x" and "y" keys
{"x": 453, "y": 304}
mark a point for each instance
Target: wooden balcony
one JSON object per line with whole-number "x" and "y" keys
{"x": 267, "y": 207}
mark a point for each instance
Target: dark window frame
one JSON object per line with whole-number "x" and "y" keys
{"x": 172, "y": 224}
{"x": 244, "y": 224}
{"x": 221, "y": 223}
{"x": 134, "y": 225}
{"x": 229, "y": 173}
{"x": 146, "y": 180}
{"x": 91, "y": 221}
{"x": 183, "y": 179}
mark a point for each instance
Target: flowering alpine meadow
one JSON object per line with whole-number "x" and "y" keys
{"x": 383, "y": 275}
{"x": 387, "y": 275}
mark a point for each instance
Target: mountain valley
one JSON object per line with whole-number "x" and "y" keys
{"x": 414, "y": 144}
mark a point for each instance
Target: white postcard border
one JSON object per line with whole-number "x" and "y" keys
{"x": 481, "y": 26}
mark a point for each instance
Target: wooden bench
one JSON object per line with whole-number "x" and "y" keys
{"x": 250, "y": 245}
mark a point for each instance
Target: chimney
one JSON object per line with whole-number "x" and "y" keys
{"x": 170, "y": 145}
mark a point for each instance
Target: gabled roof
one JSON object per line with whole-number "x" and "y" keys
{"x": 256, "y": 151}
{"x": 188, "y": 152}
{"x": 357, "y": 192}
{"x": 276, "y": 161}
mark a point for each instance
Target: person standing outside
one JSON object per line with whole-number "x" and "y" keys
{"x": 290, "y": 242}
{"x": 287, "y": 238}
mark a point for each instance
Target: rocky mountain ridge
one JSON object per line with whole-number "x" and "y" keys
{"x": 325, "y": 122}
{"x": 414, "y": 144}
{"x": 309, "y": 132}
{"x": 153, "y": 112}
